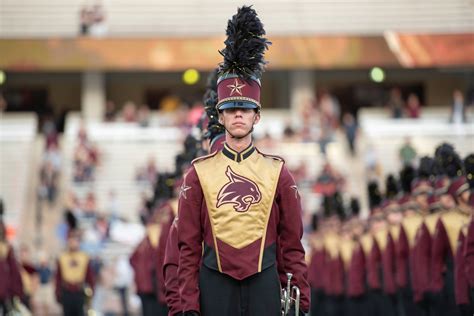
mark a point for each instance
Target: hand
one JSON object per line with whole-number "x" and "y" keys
{"x": 190, "y": 313}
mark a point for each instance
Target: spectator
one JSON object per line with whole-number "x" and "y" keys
{"x": 90, "y": 206}
{"x": 350, "y": 129}
{"x": 48, "y": 182}
{"x": 45, "y": 291}
{"x": 143, "y": 115}
{"x": 110, "y": 111}
{"x": 458, "y": 109}
{"x": 195, "y": 113}
{"x": 98, "y": 27}
{"x": 407, "y": 153}
{"x": 413, "y": 106}
{"x": 123, "y": 279}
{"x": 129, "y": 112}
{"x": 86, "y": 19}
{"x": 395, "y": 103}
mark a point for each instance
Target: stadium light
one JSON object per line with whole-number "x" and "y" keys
{"x": 191, "y": 76}
{"x": 3, "y": 77}
{"x": 377, "y": 74}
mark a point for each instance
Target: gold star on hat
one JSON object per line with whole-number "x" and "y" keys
{"x": 236, "y": 87}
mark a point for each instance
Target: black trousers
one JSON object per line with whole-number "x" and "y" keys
{"x": 151, "y": 306}
{"x": 318, "y": 299}
{"x": 73, "y": 303}
{"x": 254, "y": 296}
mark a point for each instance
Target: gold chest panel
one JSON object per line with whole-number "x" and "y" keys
{"x": 366, "y": 241}
{"x": 331, "y": 245}
{"x": 395, "y": 232}
{"x": 411, "y": 225}
{"x": 73, "y": 266}
{"x": 381, "y": 238}
{"x": 453, "y": 222}
{"x": 347, "y": 246}
{"x": 238, "y": 228}
{"x": 153, "y": 234}
{"x": 431, "y": 221}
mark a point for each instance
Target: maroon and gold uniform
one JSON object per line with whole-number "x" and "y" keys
{"x": 469, "y": 254}
{"x": 73, "y": 274}
{"x": 315, "y": 275}
{"x": 11, "y": 285}
{"x": 445, "y": 241}
{"x": 236, "y": 206}
{"x": 461, "y": 284}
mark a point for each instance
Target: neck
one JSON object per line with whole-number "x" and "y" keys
{"x": 463, "y": 207}
{"x": 238, "y": 144}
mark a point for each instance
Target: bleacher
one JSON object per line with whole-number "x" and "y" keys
{"x": 17, "y": 150}
{"x": 386, "y": 135}
{"x": 60, "y": 18}
{"x": 123, "y": 147}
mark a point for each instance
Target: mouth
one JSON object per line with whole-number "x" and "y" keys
{"x": 238, "y": 124}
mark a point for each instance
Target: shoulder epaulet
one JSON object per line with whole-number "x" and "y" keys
{"x": 204, "y": 157}
{"x": 271, "y": 156}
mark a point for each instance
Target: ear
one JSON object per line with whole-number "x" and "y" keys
{"x": 256, "y": 118}
{"x": 221, "y": 119}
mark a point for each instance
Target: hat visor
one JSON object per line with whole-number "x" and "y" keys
{"x": 236, "y": 105}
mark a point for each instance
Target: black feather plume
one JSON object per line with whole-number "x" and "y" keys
{"x": 449, "y": 161}
{"x": 391, "y": 187}
{"x": 469, "y": 165}
{"x": 245, "y": 45}
{"x": 214, "y": 128}
{"x": 407, "y": 174}
{"x": 375, "y": 198}
{"x": 71, "y": 219}
{"x": 426, "y": 168}
{"x": 355, "y": 207}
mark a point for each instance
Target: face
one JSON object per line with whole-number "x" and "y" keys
{"x": 239, "y": 121}
{"x": 447, "y": 201}
{"x": 422, "y": 200}
{"x": 73, "y": 243}
{"x": 465, "y": 197}
{"x": 394, "y": 218}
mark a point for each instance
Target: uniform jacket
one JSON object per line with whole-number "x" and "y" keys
{"x": 233, "y": 207}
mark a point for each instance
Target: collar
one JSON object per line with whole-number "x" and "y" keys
{"x": 235, "y": 156}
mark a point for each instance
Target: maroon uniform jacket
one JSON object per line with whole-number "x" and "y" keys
{"x": 356, "y": 272}
{"x": 170, "y": 270}
{"x": 422, "y": 256}
{"x": 170, "y": 209}
{"x": 469, "y": 254}
{"x": 316, "y": 265}
{"x": 249, "y": 200}
{"x": 333, "y": 266}
{"x": 445, "y": 242}
{"x": 374, "y": 267}
{"x": 144, "y": 261}
{"x": 387, "y": 253}
{"x": 10, "y": 284}
{"x": 405, "y": 251}
{"x": 73, "y": 273}
{"x": 461, "y": 285}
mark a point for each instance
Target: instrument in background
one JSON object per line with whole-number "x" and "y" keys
{"x": 290, "y": 296}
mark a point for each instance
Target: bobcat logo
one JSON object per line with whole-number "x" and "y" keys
{"x": 240, "y": 191}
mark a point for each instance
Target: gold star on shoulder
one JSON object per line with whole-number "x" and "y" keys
{"x": 236, "y": 87}
{"x": 183, "y": 189}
